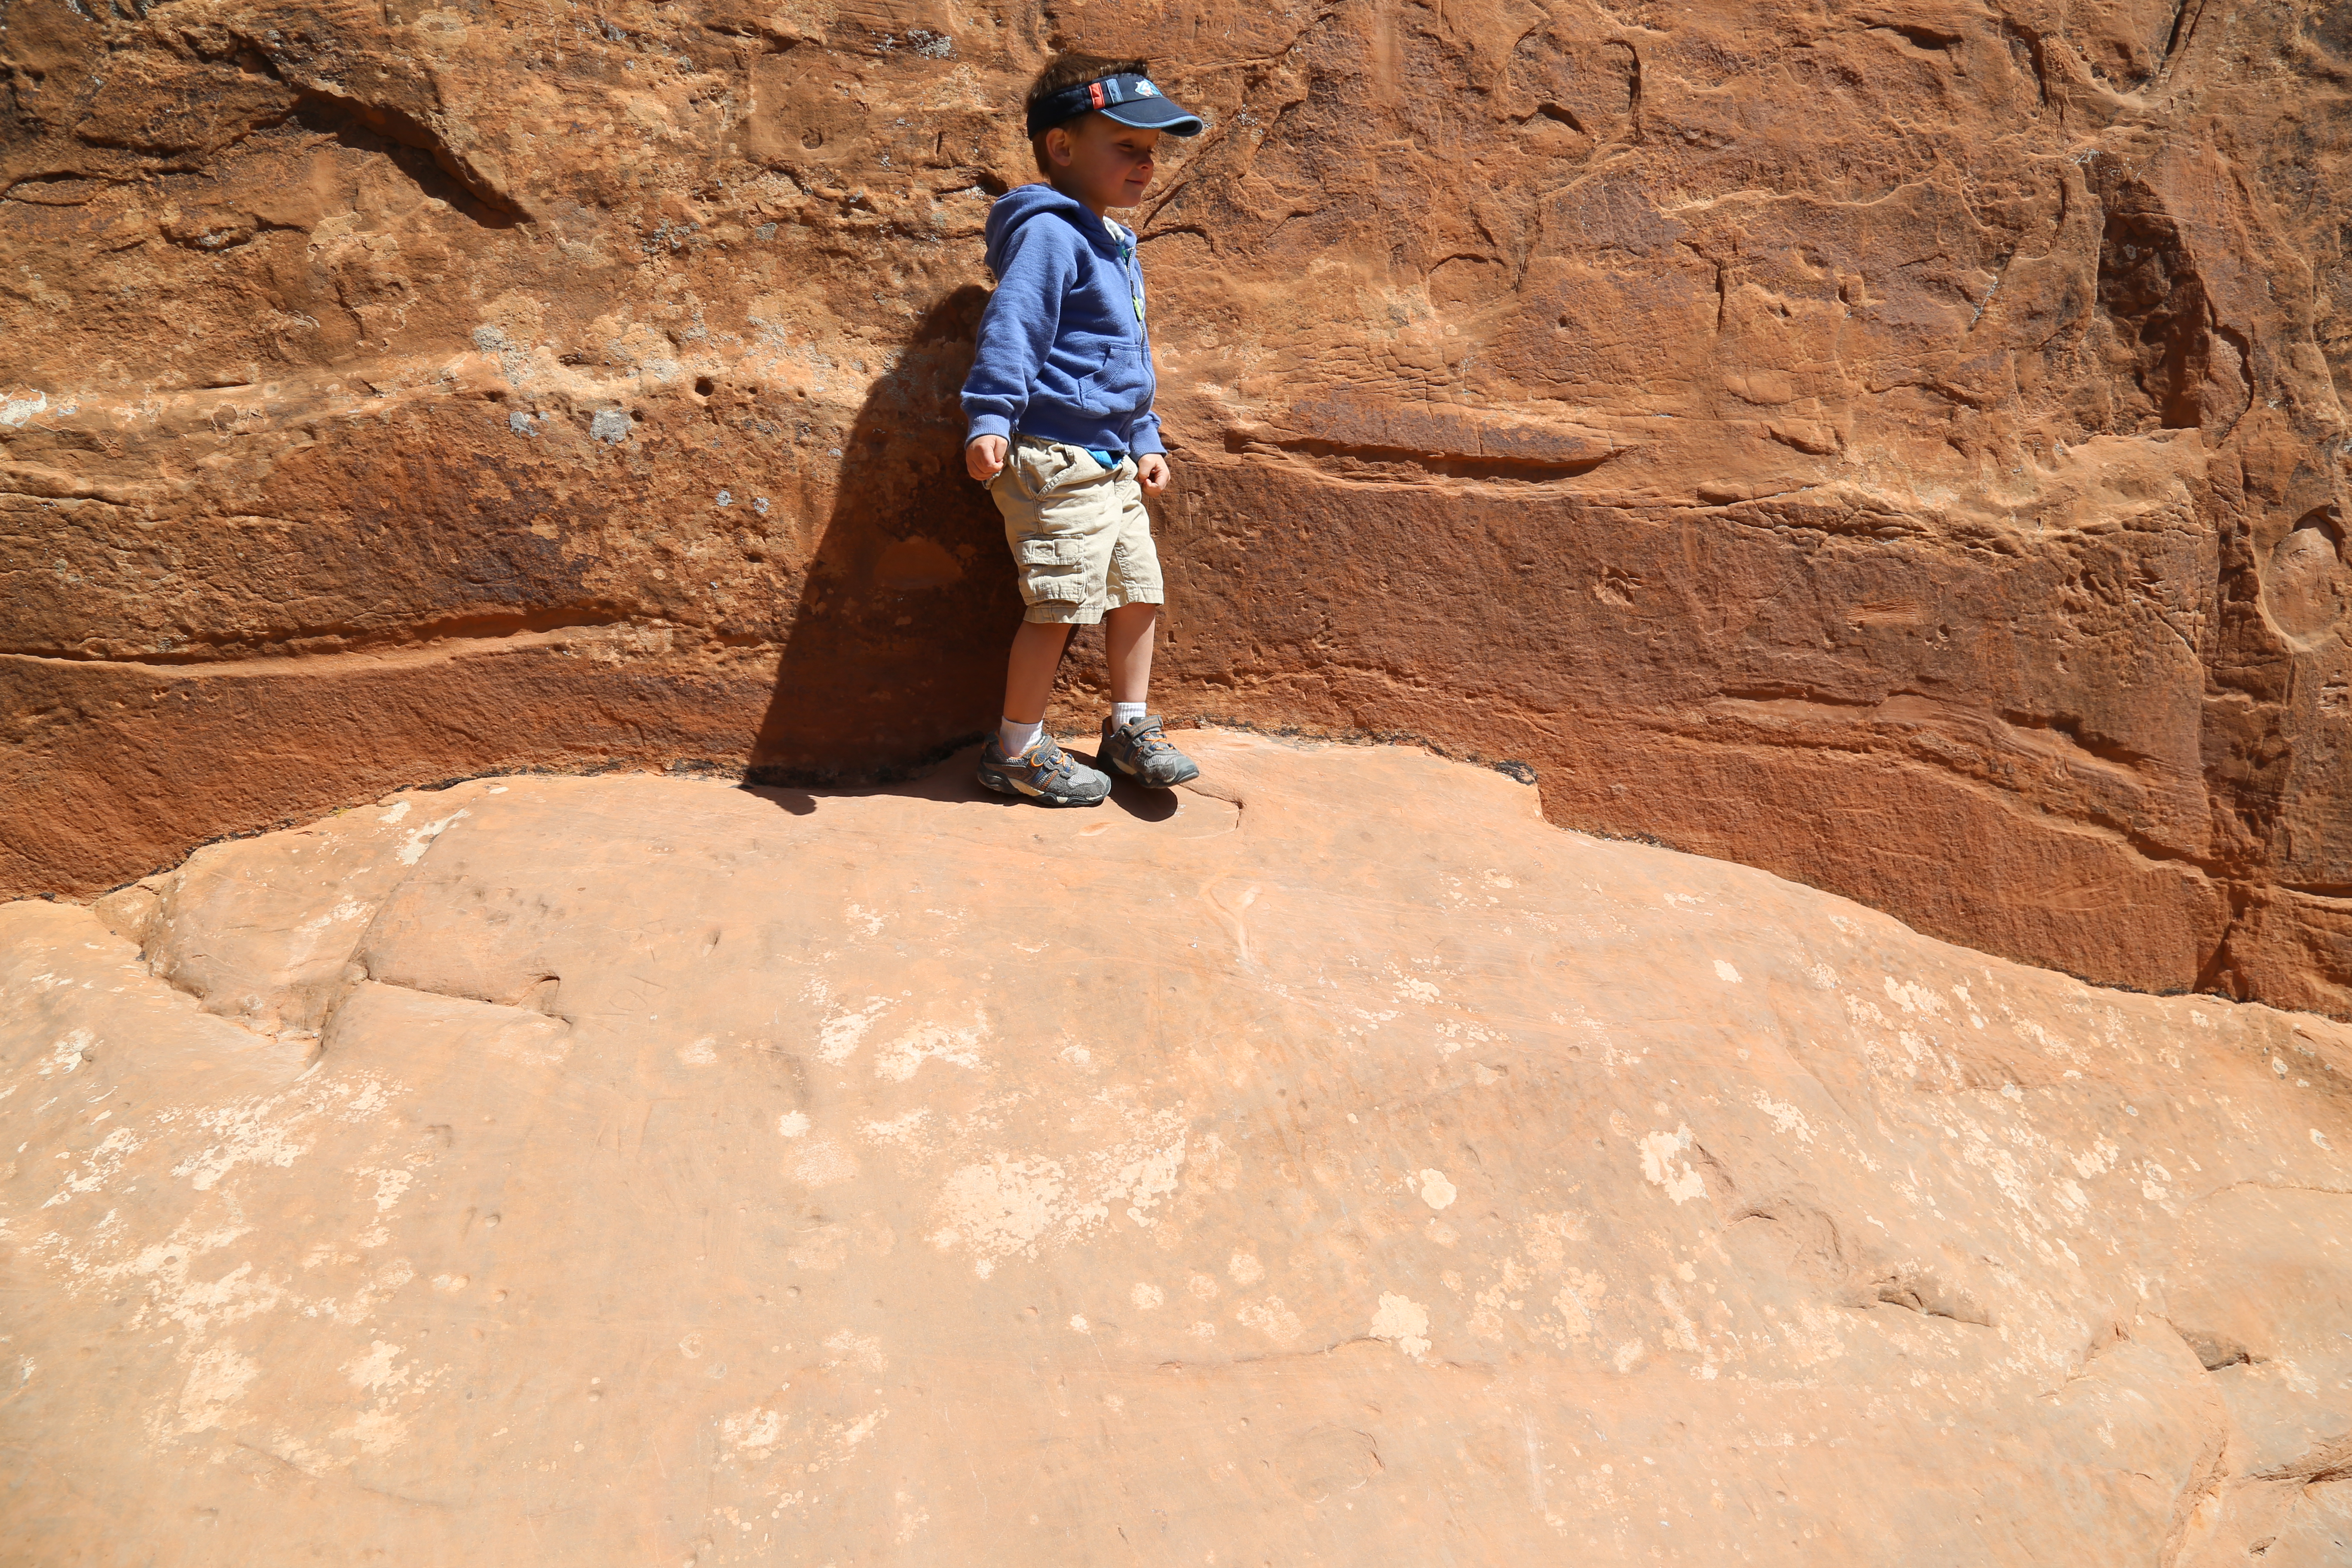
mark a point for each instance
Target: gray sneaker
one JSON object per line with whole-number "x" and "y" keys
{"x": 1045, "y": 772}
{"x": 1140, "y": 749}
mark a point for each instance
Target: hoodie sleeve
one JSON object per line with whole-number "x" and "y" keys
{"x": 1144, "y": 438}
{"x": 1018, "y": 327}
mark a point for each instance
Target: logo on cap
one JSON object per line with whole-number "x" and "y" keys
{"x": 1145, "y": 89}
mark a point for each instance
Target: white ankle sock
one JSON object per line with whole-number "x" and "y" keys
{"x": 1121, "y": 712}
{"x": 1014, "y": 739}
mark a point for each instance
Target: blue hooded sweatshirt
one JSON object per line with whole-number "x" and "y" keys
{"x": 1063, "y": 352}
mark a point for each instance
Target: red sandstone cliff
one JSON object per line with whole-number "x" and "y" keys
{"x": 1898, "y": 447}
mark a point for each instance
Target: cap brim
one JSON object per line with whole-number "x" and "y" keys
{"x": 1154, "y": 114}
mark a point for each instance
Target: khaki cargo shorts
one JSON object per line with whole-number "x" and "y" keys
{"x": 1081, "y": 537}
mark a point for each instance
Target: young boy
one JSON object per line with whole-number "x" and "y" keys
{"x": 1060, "y": 422}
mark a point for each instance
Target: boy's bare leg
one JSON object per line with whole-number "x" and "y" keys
{"x": 1133, "y": 742}
{"x": 1021, "y": 761}
{"x": 1128, "y": 633}
{"x": 1029, "y": 672}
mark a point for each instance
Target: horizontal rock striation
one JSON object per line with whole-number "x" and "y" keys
{"x": 1901, "y": 449}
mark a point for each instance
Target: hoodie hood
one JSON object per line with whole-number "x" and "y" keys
{"x": 1024, "y": 203}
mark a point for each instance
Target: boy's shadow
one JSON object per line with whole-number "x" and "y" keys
{"x": 894, "y": 659}
{"x": 952, "y": 781}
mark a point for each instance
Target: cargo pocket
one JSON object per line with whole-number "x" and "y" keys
{"x": 1052, "y": 569}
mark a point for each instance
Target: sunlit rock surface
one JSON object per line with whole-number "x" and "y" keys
{"x": 1332, "y": 1163}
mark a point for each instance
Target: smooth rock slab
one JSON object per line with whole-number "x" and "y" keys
{"x": 1332, "y": 1163}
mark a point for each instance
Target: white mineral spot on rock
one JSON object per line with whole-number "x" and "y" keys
{"x": 1001, "y": 1206}
{"x": 1271, "y": 1317}
{"x": 1243, "y": 1269}
{"x": 1785, "y": 1117}
{"x": 899, "y": 1060}
{"x": 1146, "y": 1296}
{"x": 376, "y": 1432}
{"x": 419, "y": 839}
{"x": 752, "y": 1432}
{"x": 793, "y": 1123}
{"x": 1435, "y": 1190}
{"x": 823, "y": 1162}
{"x": 1404, "y": 1322}
{"x": 389, "y": 1186}
{"x": 375, "y": 1370}
{"x": 1724, "y": 972}
{"x": 900, "y": 1130}
{"x": 1661, "y": 1165}
{"x": 838, "y": 1036}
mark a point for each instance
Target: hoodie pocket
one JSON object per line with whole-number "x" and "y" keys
{"x": 1122, "y": 388}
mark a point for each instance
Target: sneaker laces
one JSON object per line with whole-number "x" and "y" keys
{"x": 1035, "y": 757}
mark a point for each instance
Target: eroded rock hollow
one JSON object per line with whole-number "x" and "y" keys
{"x": 1898, "y": 446}
{"x": 640, "y": 1170}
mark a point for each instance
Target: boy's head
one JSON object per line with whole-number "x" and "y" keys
{"x": 1094, "y": 124}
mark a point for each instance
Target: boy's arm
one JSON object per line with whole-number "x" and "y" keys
{"x": 1017, "y": 329}
{"x": 1150, "y": 454}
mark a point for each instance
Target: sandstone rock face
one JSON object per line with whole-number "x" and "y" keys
{"x": 1898, "y": 448}
{"x": 670, "y": 1172}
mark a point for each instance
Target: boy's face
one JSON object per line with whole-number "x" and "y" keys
{"x": 1099, "y": 161}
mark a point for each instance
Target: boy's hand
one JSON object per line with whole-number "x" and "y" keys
{"x": 983, "y": 457}
{"x": 1151, "y": 472}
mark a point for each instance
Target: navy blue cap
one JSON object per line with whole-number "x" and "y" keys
{"x": 1129, "y": 99}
